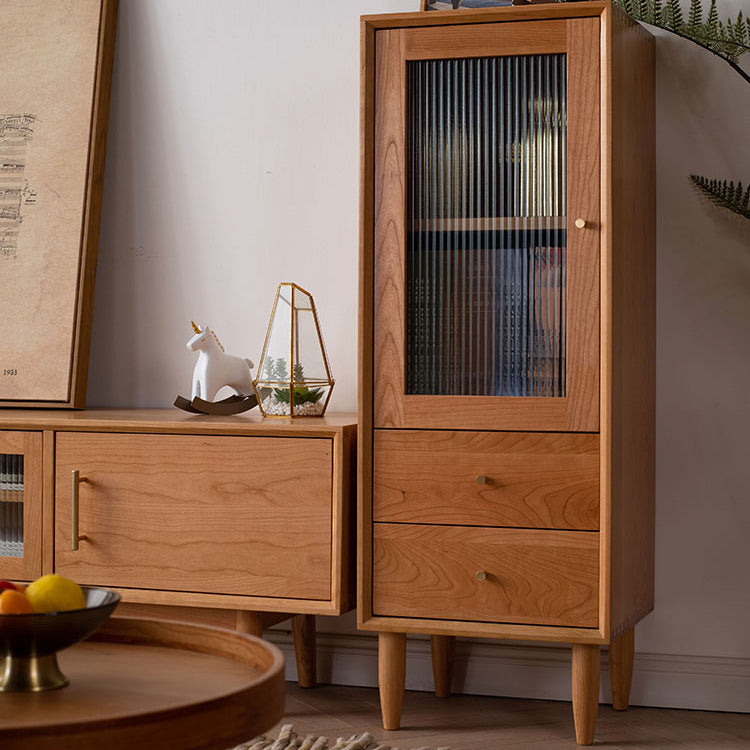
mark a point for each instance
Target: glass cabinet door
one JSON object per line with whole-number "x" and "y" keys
{"x": 20, "y": 505}
{"x": 487, "y": 226}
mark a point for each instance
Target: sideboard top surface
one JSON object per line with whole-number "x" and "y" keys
{"x": 173, "y": 420}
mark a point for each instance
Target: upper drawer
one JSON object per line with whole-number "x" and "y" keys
{"x": 222, "y": 515}
{"x": 531, "y": 480}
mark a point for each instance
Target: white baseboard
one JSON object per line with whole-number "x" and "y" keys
{"x": 534, "y": 671}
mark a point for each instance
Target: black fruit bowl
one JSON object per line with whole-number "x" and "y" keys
{"x": 29, "y": 643}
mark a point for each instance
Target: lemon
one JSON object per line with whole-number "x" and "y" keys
{"x": 55, "y": 593}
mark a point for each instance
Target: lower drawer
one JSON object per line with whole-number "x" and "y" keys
{"x": 525, "y": 576}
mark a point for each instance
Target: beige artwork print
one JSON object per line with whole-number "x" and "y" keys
{"x": 48, "y": 53}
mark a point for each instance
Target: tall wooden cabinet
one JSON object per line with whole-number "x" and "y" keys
{"x": 506, "y": 433}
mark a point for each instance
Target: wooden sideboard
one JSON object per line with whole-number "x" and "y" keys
{"x": 240, "y": 521}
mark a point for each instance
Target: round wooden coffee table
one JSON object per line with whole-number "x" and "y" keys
{"x": 142, "y": 684}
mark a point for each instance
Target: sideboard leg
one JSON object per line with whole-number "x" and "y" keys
{"x": 585, "y": 691}
{"x": 442, "y": 647}
{"x": 303, "y": 630}
{"x": 621, "y": 669}
{"x": 391, "y": 677}
{"x": 250, "y": 622}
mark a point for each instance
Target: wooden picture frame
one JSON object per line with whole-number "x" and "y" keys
{"x": 56, "y": 62}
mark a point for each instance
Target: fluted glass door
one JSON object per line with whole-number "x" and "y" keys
{"x": 486, "y": 240}
{"x": 486, "y": 235}
{"x": 20, "y": 505}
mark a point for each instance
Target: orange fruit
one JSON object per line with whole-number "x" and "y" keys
{"x": 14, "y": 603}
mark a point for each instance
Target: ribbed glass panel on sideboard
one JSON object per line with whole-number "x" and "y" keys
{"x": 11, "y": 505}
{"x": 486, "y": 241}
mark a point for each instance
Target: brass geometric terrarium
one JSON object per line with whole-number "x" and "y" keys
{"x": 294, "y": 379}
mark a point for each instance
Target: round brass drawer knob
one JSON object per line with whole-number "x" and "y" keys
{"x": 481, "y": 575}
{"x": 580, "y": 223}
{"x": 481, "y": 479}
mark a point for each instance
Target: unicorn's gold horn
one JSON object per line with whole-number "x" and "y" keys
{"x": 195, "y": 327}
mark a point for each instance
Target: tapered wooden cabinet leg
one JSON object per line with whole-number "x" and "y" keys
{"x": 621, "y": 669}
{"x": 391, "y": 677}
{"x": 442, "y": 647}
{"x": 303, "y": 630}
{"x": 250, "y": 623}
{"x": 585, "y": 671}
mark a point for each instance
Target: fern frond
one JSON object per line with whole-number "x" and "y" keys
{"x": 673, "y": 17}
{"x": 725, "y": 194}
{"x": 695, "y": 15}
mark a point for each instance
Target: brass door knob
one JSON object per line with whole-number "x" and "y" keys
{"x": 481, "y": 479}
{"x": 580, "y": 223}
{"x": 481, "y": 575}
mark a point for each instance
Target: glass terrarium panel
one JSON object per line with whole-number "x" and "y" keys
{"x": 486, "y": 241}
{"x": 277, "y": 353}
{"x": 11, "y": 505}
{"x": 308, "y": 348}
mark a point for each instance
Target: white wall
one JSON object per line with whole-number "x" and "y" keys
{"x": 233, "y": 165}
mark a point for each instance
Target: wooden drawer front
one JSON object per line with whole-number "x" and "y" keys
{"x": 532, "y": 576}
{"x": 533, "y": 480}
{"x": 223, "y": 515}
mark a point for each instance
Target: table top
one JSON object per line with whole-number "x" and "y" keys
{"x": 152, "y": 683}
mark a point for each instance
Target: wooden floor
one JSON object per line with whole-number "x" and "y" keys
{"x": 464, "y": 722}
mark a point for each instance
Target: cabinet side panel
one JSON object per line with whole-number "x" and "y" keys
{"x": 633, "y": 324}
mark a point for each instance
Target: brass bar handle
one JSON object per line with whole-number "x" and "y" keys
{"x": 75, "y": 537}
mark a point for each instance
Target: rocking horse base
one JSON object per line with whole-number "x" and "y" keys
{"x": 225, "y": 407}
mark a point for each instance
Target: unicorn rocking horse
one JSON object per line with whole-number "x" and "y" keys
{"x": 215, "y": 369}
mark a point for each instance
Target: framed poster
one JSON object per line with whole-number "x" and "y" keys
{"x": 55, "y": 77}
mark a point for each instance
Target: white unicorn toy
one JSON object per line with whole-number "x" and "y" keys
{"x": 215, "y": 368}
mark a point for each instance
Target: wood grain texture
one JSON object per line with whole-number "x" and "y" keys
{"x": 484, "y": 15}
{"x": 543, "y": 480}
{"x": 198, "y": 514}
{"x": 491, "y": 575}
{"x": 621, "y": 653}
{"x": 391, "y": 677}
{"x": 28, "y": 445}
{"x": 585, "y": 690}
{"x": 218, "y": 618}
{"x": 442, "y": 648}
{"x": 140, "y": 683}
{"x": 534, "y": 37}
{"x": 366, "y": 309}
{"x": 303, "y": 633}
{"x": 469, "y": 629}
{"x": 633, "y": 324}
{"x": 166, "y": 421}
{"x": 583, "y": 165}
{"x": 389, "y": 229}
{"x": 48, "y": 502}
{"x": 93, "y": 203}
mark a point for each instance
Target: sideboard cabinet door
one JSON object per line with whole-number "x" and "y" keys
{"x": 211, "y": 514}
{"x": 20, "y": 505}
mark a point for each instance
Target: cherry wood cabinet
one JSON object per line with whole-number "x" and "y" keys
{"x": 506, "y": 426}
{"x": 236, "y": 521}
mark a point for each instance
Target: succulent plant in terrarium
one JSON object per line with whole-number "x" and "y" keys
{"x": 294, "y": 379}
{"x": 302, "y": 394}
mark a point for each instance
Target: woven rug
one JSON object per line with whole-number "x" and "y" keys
{"x": 289, "y": 740}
